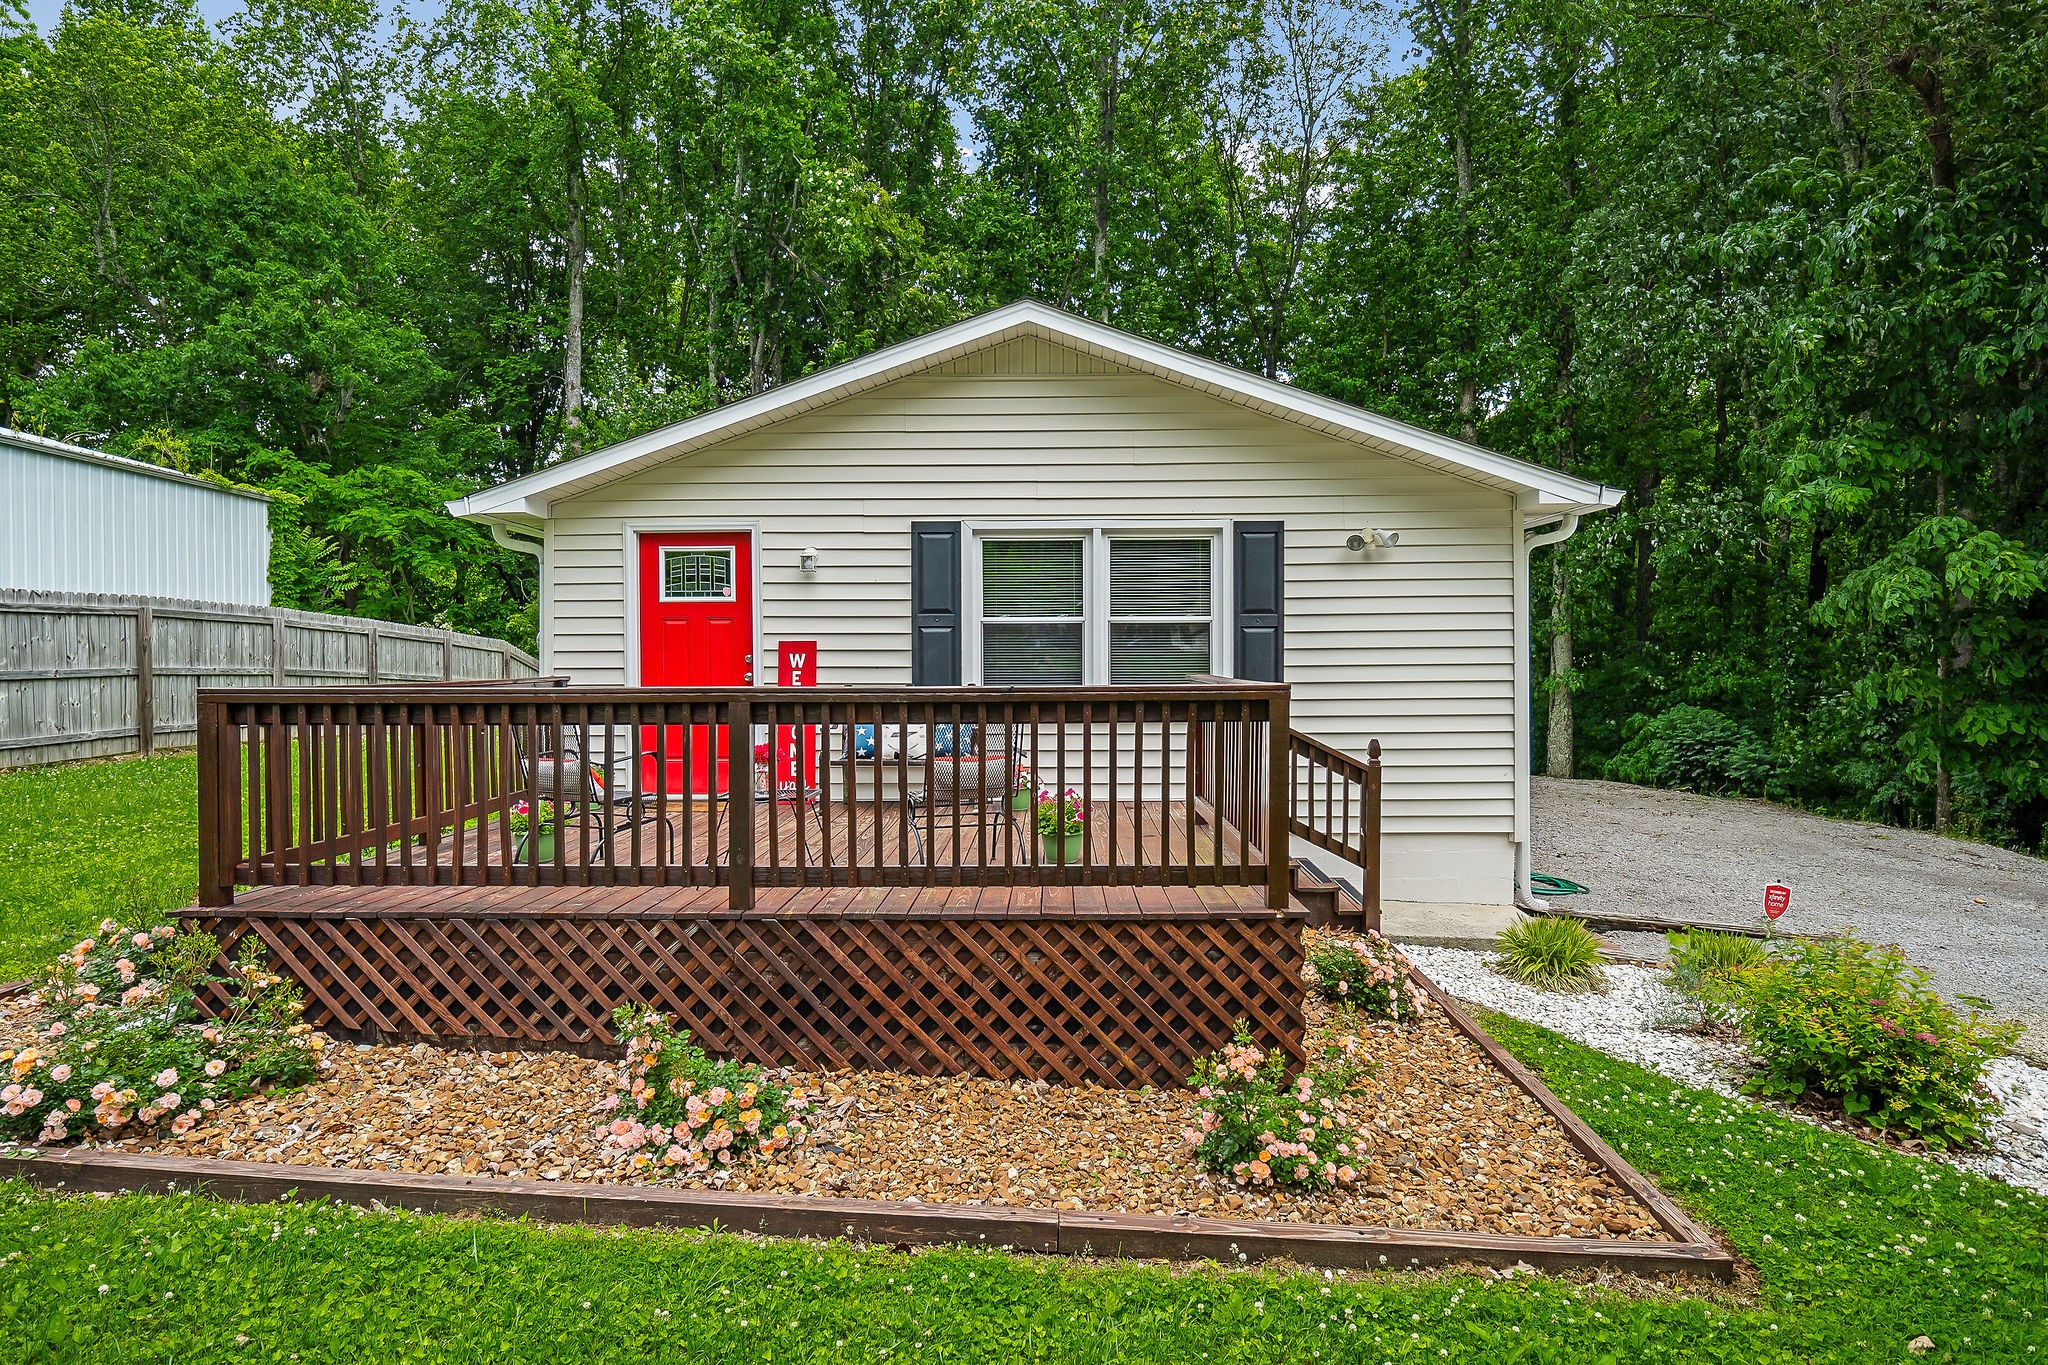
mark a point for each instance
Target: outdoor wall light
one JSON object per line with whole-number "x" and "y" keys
{"x": 1379, "y": 540}
{"x": 807, "y": 559}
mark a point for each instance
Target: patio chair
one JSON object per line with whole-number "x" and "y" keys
{"x": 588, "y": 792}
{"x": 976, "y": 778}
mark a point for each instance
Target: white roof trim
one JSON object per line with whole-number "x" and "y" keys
{"x": 1545, "y": 492}
{"x": 44, "y": 445}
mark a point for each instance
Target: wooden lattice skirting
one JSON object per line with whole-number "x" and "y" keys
{"x": 1064, "y": 995}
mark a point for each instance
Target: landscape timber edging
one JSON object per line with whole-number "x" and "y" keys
{"x": 1691, "y": 1251}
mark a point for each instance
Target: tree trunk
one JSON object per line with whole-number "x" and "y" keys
{"x": 572, "y": 332}
{"x": 1646, "y": 563}
{"x": 1558, "y": 754}
{"x": 1914, "y": 66}
{"x": 1098, "y": 191}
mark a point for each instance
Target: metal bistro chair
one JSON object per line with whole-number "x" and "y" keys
{"x": 771, "y": 794}
{"x": 589, "y": 793}
{"x": 979, "y": 780}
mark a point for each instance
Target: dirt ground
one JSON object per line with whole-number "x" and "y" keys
{"x": 1973, "y": 915}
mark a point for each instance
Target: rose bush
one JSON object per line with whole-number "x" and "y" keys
{"x": 1260, "y": 1128}
{"x": 1370, "y": 976}
{"x": 122, "y": 1048}
{"x": 678, "y": 1109}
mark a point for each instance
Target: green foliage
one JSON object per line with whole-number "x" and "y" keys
{"x": 678, "y": 1109}
{"x": 1772, "y": 273}
{"x": 1854, "y": 1024}
{"x": 1701, "y": 959}
{"x": 123, "y": 1049}
{"x": 1549, "y": 952}
{"x": 1261, "y": 1129}
{"x": 1062, "y": 816}
{"x": 1368, "y": 974}
{"x": 1694, "y": 748}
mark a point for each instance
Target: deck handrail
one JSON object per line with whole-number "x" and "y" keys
{"x": 662, "y": 786}
{"x": 1333, "y": 801}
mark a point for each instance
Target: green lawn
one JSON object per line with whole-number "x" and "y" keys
{"x": 88, "y": 839}
{"x": 1859, "y": 1249}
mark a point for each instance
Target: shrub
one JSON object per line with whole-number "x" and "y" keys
{"x": 1259, "y": 1128}
{"x": 1692, "y": 747}
{"x": 1551, "y": 953}
{"x": 125, "y": 1049}
{"x": 1701, "y": 957}
{"x": 682, "y": 1110}
{"x": 1371, "y": 977}
{"x": 1860, "y": 1026}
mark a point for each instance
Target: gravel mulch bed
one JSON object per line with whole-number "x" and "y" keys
{"x": 1457, "y": 1145}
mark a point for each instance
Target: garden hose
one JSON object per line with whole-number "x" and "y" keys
{"x": 1543, "y": 884}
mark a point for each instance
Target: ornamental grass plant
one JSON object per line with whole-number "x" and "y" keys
{"x": 1263, "y": 1130}
{"x": 1857, "y": 1025}
{"x": 679, "y": 1110}
{"x": 1551, "y": 953}
{"x": 122, "y": 1048}
{"x": 1700, "y": 958}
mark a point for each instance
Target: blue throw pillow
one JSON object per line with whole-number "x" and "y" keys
{"x": 863, "y": 741}
{"x": 942, "y": 740}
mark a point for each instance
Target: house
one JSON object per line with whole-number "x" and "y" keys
{"x": 1028, "y": 497}
{"x": 78, "y": 520}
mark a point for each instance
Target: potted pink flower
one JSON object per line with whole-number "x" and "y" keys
{"x": 1061, "y": 821}
{"x": 1023, "y": 787}
{"x": 535, "y": 822}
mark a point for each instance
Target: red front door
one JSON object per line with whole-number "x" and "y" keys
{"x": 696, "y": 630}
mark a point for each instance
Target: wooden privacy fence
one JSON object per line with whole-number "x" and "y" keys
{"x": 740, "y": 788}
{"x": 882, "y": 979}
{"x": 89, "y": 676}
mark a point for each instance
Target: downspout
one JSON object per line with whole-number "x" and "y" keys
{"x": 526, "y": 545}
{"x": 1524, "y": 858}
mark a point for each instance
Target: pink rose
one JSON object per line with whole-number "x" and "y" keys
{"x": 215, "y": 1067}
{"x": 60, "y": 1073}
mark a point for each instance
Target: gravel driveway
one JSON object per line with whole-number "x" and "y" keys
{"x": 1973, "y": 915}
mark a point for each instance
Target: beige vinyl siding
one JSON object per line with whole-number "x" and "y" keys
{"x": 1414, "y": 646}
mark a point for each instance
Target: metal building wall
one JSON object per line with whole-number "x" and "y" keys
{"x": 76, "y": 520}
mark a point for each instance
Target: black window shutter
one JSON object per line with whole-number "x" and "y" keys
{"x": 1257, "y": 630}
{"x": 935, "y": 590}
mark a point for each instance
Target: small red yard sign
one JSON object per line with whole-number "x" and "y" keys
{"x": 1777, "y": 900}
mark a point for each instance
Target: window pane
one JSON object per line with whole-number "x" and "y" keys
{"x": 1157, "y": 653}
{"x": 690, "y": 575}
{"x": 1014, "y": 655}
{"x": 1031, "y": 578}
{"x": 1159, "y": 577}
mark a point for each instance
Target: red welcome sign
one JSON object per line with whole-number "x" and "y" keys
{"x": 1777, "y": 899}
{"x": 797, "y": 666}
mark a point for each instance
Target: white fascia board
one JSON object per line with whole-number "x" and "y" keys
{"x": 530, "y": 496}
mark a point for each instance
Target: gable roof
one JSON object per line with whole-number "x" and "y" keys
{"x": 1546, "y": 494}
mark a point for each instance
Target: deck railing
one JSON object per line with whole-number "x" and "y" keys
{"x": 742, "y": 788}
{"x": 1333, "y": 801}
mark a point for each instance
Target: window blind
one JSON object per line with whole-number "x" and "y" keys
{"x": 1032, "y": 604}
{"x": 1159, "y": 578}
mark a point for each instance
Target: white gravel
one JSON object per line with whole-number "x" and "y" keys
{"x": 1624, "y": 1021}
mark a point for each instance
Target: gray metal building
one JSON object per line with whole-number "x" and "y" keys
{"x": 82, "y": 521}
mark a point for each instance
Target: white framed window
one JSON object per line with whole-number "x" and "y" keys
{"x": 1091, "y": 605}
{"x": 697, "y": 573}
